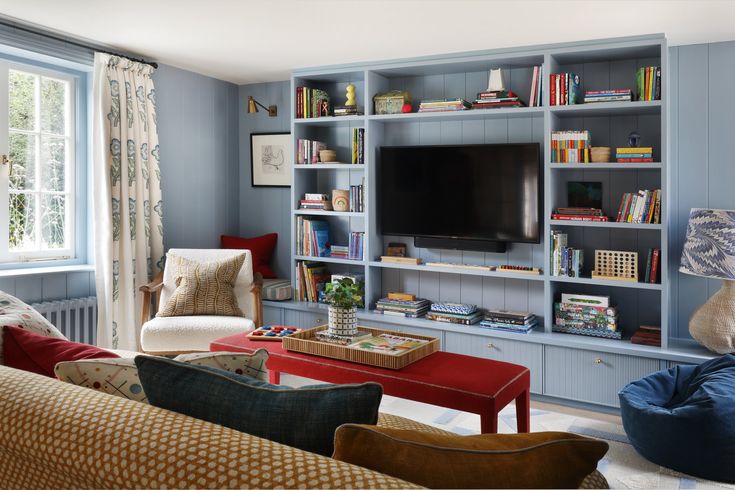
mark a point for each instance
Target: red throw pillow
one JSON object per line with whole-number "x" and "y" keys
{"x": 260, "y": 246}
{"x": 38, "y": 354}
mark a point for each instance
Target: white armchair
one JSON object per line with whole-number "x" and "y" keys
{"x": 183, "y": 334}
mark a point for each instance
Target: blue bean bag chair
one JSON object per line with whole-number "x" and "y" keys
{"x": 684, "y": 418}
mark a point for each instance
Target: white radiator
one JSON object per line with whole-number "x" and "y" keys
{"x": 76, "y": 318}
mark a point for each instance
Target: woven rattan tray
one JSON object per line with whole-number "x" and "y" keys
{"x": 307, "y": 343}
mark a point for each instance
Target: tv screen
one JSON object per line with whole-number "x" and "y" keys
{"x": 476, "y": 192}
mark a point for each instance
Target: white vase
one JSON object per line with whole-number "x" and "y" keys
{"x": 342, "y": 321}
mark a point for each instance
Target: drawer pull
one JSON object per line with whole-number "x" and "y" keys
{"x": 490, "y": 345}
{"x": 598, "y": 361}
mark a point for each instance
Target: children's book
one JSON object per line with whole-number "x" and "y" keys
{"x": 388, "y": 344}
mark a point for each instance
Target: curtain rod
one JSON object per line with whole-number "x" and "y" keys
{"x": 75, "y": 43}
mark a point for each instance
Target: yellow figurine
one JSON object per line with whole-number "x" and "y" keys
{"x": 350, "y": 95}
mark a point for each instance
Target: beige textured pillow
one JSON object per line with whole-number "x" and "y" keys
{"x": 203, "y": 288}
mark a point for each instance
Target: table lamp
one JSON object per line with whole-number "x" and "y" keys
{"x": 709, "y": 251}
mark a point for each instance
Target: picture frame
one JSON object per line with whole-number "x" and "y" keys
{"x": 271, "y": 158}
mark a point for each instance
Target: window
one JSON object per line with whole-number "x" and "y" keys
{"x": 37, "y": 179}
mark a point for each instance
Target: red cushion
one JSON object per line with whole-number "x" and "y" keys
{"x": 38, "y": 354}
{"x": 260, "y": 246}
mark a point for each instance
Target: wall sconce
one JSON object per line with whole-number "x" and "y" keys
{"x": 253, "y": 107}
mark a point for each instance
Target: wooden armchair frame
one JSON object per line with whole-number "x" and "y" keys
{"x": 152, "y": 291}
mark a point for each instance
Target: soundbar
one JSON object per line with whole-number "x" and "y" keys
{"x": 460, "y": 244}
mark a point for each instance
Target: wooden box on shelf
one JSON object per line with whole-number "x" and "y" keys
{"x": 306, "y": 343}
{"x": 391, "y": 102}
{"x": 616, "y": 265}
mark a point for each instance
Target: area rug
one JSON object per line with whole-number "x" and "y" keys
{"x": 622, "y": 465}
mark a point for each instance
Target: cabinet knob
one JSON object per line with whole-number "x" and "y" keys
{"x": 319, "y": 321}
{"x": 490, "y": 345}
{"x": 598, "y": 361}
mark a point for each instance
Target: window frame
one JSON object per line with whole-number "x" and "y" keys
{"x": 78, "y": 214}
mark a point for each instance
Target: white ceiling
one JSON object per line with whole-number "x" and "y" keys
{"x": 247, "y": 41}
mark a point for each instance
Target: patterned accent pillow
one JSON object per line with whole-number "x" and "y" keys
{"x": 15, "y": 313}
{"x": 252, "y": 365}
{"x": 203, "y": 288}
{"x": 119, "y": 377}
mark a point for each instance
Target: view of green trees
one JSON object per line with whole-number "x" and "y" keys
{"x": 37, "y": 120}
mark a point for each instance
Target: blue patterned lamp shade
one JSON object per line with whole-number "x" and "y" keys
{"x": 709, "y": 249}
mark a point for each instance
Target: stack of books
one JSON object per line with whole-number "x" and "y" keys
{"x": 643, "y": 206}
{"x": 500, "y": 98}
{"x": 460, "y": 313}
{"x": 357, "y": 204}
{"x": 564, "y": 88}
{"x": 653, "y": 264}
{"x": 624, "y": 95}
{"x": 307, "y": 151}
{"x": 310, "y": 280}
{"x": 586, "y": 315}
{"x": 579, "y": 214}
{"x": 509, "y": 321}
{"x": 570, "y": 146}
{"x": 355, "y": 250}
{"x": 648, "y": 83}
{"x": 311, "y": 102}
{"x": 407, "y": 309}
{"x": 565, "y": 261}
{"x": 443, "y": 105}
{"x": 534, "y": 100}
{"x": 347, "y": 110}
{"x": 315, "y": 201}
{"x": 312, "y": 237}
{"x": 647, "y": 335}
{"x": 339, "y": 251}
{"x": 634, "y": 155}
{"x": 358, "y": 146}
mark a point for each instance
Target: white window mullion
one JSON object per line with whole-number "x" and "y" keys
{"x": 4, "y": 177}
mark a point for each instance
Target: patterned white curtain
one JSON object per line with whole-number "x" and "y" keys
{"x": 128, "y": 232}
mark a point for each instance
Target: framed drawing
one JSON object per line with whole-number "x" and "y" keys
{"x": 270, "y": 159}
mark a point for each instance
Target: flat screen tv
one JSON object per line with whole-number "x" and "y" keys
{"x": 466, "y": 197}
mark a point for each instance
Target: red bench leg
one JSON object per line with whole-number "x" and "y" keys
{"x": 275, "y": 377}
{"x": 523, "y": 411}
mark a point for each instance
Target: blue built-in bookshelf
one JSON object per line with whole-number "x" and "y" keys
{"x": 564, "y": 366}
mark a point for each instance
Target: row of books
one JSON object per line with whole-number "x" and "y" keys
{"x": 643, "y": 206}
{"x": 570, "y": 146}
{"x": 535, "y": 100}
{"x": 403, "y": 308}
{"x": 564, "y": 88}
{"x": 565, "y": 260}
{"x": 307, "y": 151}
{"x": 310, "y": 280}
{"x": 648, "y": 83}
{"x": 634, "y": 155}
{"x": 509, "y": 321}
{"x": 311, "y": 102}
{"x": 312, "y": 237}
{"x": 443, "y": 105}
{"x": 586, "y": 315}
{"x": 357, "y": 201}
{"x": 499, "y": 98}
{"x": 653, "y": 263}
{"x": 622, "y": 95}
{"x": 358, "y": 146}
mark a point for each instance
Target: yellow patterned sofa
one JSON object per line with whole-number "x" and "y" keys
{"x": 57, "y": 435}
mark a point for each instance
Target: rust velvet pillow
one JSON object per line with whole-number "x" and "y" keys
{"x": 261, "y": 247}
{"x": 535, "y": 460}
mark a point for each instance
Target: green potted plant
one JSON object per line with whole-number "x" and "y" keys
{"x": 343, "y": 296}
